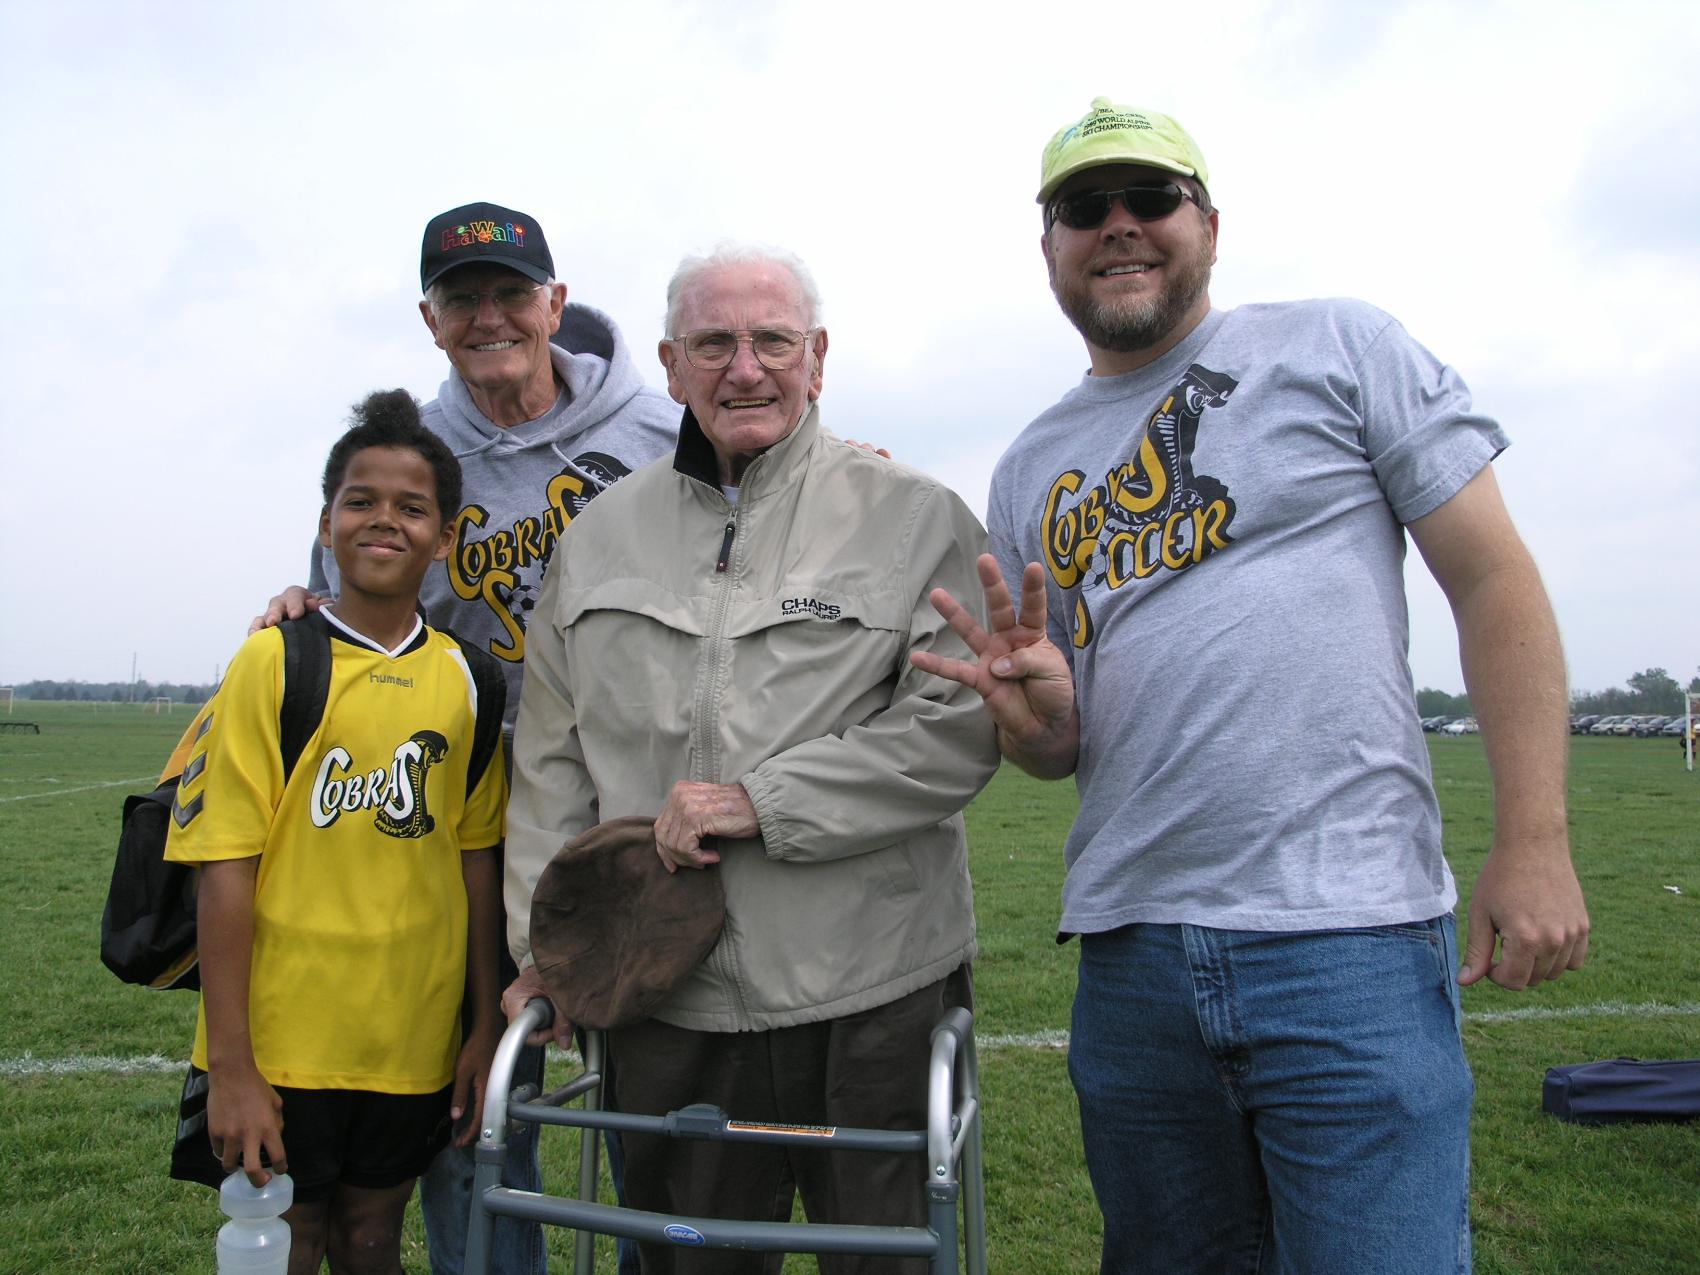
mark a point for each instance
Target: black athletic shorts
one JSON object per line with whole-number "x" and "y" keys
{"x": 354, "y": 1136}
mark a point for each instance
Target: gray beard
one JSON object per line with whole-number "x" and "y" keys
{"x": 1138, "y": 324}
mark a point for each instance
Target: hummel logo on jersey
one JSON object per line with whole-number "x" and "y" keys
{"x": 396, "y": 792}
{"x": 185, "y": 812}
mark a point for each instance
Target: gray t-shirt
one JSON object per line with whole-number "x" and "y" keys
{"x": 1222, "y": 540}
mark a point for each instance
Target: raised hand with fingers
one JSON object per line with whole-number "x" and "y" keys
{"x": 1019, "y": 672}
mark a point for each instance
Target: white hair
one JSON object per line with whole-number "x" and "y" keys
{"x": 740, "y": 254}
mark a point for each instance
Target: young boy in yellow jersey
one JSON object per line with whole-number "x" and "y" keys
{"x": 346, "y": 913}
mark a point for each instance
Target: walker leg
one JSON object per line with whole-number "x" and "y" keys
{"x": 941, "y": 1220}
{"x": 486, "y": 1173}
{"x": 973, "y": 1171}
{"x": 589, "y": 1144}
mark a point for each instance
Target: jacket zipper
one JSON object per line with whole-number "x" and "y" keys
{"x": 708, "y": 743}
{"x": 712, "y": 672}
{"x": 725, "y": 548}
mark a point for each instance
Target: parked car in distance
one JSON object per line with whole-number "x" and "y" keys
{"x": 1605, "y": 726}
{"x": 1433, "y": 724}
{"x": 1580, "y": 725}
{"x": 1672, "y": 727}
{"x": 1463, "y": 726}
{"x": 1650, "y": 725}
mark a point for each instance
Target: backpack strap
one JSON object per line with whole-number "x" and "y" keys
{"x": 492, "y": 688}
{"x": 306, "y": 684}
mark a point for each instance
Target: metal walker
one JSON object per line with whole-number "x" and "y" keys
{"x": 951, "y": 1142}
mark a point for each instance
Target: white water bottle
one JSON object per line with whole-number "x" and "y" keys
{"x": 256, "y": 1239}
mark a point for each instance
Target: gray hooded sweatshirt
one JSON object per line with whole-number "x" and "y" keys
{"x": 523, "y": 485}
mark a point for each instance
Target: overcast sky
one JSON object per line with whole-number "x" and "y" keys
{"x": 215, "y": 213}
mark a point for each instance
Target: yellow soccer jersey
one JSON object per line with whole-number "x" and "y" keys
{"x": 359, "y": 906}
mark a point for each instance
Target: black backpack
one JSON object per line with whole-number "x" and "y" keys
{"x": 147, "y": 931}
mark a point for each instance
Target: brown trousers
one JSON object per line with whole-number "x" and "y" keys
{"x": 866, "y": 1070}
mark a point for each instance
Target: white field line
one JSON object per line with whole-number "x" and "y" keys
{"x": 106, "y": 1064}
{"x": 1057, "y": 1039}
{"x": 90, "y": 1064}
{"x": 1602, "y": 1009}
{"x": 63, "y": 792}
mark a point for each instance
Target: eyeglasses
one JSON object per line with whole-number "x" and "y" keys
{"x": 776, "y": 349}
{"x": 1086, "y": 209}
{"x": 510, "y": 297}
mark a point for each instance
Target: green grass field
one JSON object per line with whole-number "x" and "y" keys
{"x": 90, "y": 1068}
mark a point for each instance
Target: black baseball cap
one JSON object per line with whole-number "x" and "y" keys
{"x": 482, "y": 232}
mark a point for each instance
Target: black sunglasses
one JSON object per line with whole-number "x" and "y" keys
{"x": 1086, "y": 209}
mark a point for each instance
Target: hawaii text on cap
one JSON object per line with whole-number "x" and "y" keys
{"x": 484, "y": 233}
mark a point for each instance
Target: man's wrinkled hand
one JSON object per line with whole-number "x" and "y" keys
{"x": 520, "y": 993}
{"x": 694, "y": 811}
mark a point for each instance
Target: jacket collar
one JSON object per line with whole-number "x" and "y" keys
{"x": 694, "y": 456}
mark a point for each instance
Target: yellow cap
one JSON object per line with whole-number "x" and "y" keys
{"x": 1111, "y": 134}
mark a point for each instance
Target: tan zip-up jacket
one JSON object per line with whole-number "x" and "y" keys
{"x": 680, "y": 636}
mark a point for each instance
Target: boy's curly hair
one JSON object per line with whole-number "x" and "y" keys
{"x": 390, "y": 418}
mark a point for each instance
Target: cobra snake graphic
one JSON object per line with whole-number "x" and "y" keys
{"x": 1170, "y": 437}
{"x": 405, "y": 815}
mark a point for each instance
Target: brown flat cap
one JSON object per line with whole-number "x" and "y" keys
{"x": 612, "y": 931}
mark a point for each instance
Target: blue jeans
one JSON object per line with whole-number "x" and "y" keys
{"x": 516, "y": 1248}
{"x": 1271, "y": 1102}
{"x": 445, "y": 1197}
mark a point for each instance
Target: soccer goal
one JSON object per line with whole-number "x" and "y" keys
{"x": 6, "y": 699}
{"x": 160, "y": 704}
{"x": 1691, "y": 724}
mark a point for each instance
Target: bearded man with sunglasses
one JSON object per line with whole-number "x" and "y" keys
{"x": 1208, "y": 534}
{"x": 722, "y": 642}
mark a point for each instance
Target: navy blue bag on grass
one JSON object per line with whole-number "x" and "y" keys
{"x": 1622, "y": 1089}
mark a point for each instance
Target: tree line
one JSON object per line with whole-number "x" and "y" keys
{"x": 113, "y": 692}
{"x": 1651, "y": 690}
